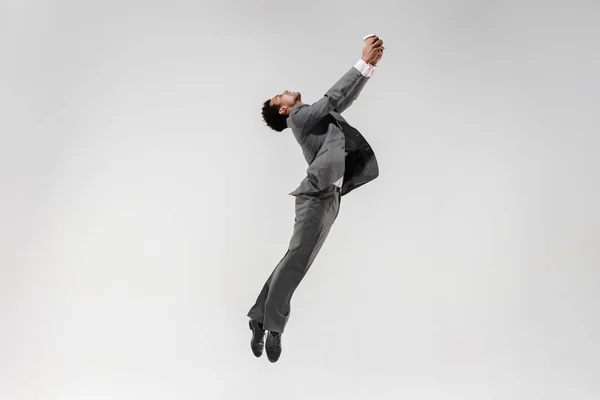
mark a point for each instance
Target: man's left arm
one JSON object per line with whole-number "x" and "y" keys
{"x": 366, "y": 70}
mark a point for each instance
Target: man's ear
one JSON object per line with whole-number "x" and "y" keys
{"x": 283, "y": 110}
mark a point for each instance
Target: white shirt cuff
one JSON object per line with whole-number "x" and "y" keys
{"x": 364, "y": 68}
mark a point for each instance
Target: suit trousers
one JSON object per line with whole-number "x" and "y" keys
{"x": 315, "y": 215}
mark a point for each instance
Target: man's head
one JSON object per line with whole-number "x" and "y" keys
{"x": 276, "y": 110}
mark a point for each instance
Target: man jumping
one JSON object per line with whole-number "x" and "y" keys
{"x": 340, "y": 160}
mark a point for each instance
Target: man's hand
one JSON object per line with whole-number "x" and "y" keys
{"x": 377, "y": 58}
{"x": 373, "y": 51}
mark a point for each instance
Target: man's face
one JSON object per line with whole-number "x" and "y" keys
{"x": 286, "y": 100}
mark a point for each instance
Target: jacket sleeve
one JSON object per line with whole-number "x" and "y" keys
{"x": 305, "y": 118}
{"x": 353, "y": 95}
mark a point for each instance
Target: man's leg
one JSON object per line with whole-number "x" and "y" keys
{"x": 257, "y": 312}
{"x": 314, "y": 217}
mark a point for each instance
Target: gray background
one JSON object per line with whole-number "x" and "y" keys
{"x": 144, "y": 202}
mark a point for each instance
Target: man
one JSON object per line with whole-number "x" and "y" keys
{"x": 340, "y": 160}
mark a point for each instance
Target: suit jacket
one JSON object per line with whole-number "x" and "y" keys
{"x": 325, "y": 137}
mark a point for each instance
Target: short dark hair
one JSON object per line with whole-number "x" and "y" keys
{"x": 271, "y": 116}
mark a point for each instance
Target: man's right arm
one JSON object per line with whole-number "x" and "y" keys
{"x": 307, "y": 117}
{"x": 353, "y": 81}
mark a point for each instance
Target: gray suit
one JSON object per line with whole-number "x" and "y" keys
{"x": 333, "y": 149}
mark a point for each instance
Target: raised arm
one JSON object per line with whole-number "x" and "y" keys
{"x": 366, "y": 70}
{"x": 306, "y": 117}
{"x": 343, "y": 93}
{"x": 366, "y": 66}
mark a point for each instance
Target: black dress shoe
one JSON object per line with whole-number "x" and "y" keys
{"x": 257, "y": 343}
{"x": 273, "y": 346}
